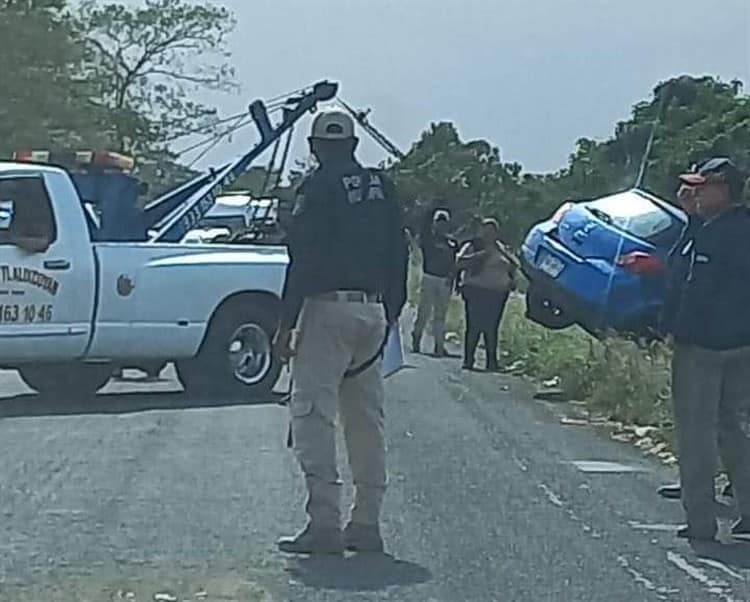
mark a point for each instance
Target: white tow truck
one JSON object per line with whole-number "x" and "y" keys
{"x": 74, "y": 309}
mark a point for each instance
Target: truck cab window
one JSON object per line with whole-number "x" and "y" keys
{"x": 32, "y": 225}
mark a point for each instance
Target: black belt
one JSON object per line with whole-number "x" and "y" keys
{"x": 350, "y": 297}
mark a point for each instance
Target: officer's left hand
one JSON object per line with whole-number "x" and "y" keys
{"x": 282, "y": 346}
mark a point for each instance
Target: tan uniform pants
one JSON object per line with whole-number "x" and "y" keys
{"x": 434, "y": 297}
{"x": 333, "y": 337}
{"x": 711, "y": 392}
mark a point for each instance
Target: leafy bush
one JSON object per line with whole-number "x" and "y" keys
{"x": 615, "y": 377}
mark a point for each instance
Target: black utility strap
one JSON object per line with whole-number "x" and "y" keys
{"x": 357, "y": 370}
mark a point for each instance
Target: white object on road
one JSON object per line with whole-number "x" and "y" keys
{"x": 393, "y": 354}
{"x": 605, "y": 467}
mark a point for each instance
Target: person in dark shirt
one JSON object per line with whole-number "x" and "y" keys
{"x": 346, "y": 283}
{"x": 678, "y": 259}
{"x": 710, "y": 369}
{"x": 439, "y": 251}
{"x": 678, "y": 266}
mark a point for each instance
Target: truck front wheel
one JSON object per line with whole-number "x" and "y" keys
{"x": 66, "y": 379}
{"x": 236, "y": 359}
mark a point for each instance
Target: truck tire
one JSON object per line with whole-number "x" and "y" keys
{"x": 236, "y": 359}
{"x": 73, "y": 379}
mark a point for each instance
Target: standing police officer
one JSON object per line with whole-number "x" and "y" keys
{"x": 346, "y": 283}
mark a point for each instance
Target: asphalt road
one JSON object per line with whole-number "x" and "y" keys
{"x": 141, "y": 492}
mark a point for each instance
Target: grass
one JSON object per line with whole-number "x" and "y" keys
{"x": 616, "y": 378}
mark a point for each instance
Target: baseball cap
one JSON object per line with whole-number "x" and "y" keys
{"x": 716, "y": 169}
{"x": 332, "y": 125}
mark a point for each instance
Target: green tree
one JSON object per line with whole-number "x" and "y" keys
{"x": 44, "y": 99}
{"x": 695, "y": 118}
{"x": 148, "y": 60}
{"x": 467, "y": 177}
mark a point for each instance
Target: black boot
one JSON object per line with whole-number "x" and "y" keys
{"x": 363, "y": 538}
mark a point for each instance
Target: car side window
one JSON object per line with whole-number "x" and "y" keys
{"x": 28, "y": 210}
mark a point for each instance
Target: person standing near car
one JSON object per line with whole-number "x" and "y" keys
{"x": 489, "y": 275}
{"x": 710, "y": 375}
{"x": 346, "y": 283}
{"x": 438, "y": 275}
{"x": 678, "y": 266}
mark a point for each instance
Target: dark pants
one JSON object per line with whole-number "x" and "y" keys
{"x": 484, "y": 309}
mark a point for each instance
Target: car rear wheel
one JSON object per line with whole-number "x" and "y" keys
{"x": 544, "y": 310}
{"x": 236, "y": 359}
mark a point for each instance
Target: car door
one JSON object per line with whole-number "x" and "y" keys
{"x": 46, "y": 272}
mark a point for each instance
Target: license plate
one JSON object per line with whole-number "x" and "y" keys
{"x": 551, "y": 265}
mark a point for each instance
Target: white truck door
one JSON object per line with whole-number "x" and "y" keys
{"x": 47, "y": 272}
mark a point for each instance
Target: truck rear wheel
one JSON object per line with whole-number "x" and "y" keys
{"x": 236, "y": 359}
{"x": 66, "y": 379}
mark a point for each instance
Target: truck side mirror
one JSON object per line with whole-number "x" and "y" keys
{"x": 7, "y": 212}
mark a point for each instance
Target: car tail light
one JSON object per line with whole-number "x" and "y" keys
{"x": 560, "y": 213}
{"x": 640, "y": 262}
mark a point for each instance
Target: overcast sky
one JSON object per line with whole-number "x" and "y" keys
{"x": 531, "y": 76}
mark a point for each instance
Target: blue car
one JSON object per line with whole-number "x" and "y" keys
{"x": 601, "y": 263}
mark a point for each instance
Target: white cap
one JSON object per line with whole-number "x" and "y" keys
{"x": 332, "y": 125}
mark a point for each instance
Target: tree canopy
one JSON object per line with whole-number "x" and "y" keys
{"x": 122, "y": 75}
{"x": 109, "y": 75}
{"x": 44, "y": 96}
{"x": 697, "y": 118}
{"x": 147, "y": 62}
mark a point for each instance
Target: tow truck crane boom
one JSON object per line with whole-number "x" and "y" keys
{"x": 361, "y": 118}
{"x": 178, "y": 211}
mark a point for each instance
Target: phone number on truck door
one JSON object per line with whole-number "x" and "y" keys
{"x": 25, "y": 314}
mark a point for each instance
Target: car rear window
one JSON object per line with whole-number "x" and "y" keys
{"x": 636, "y": 215}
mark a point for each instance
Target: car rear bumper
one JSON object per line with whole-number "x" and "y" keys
{"x": 576, "y": 309}
{"x": 592, "y": 317}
